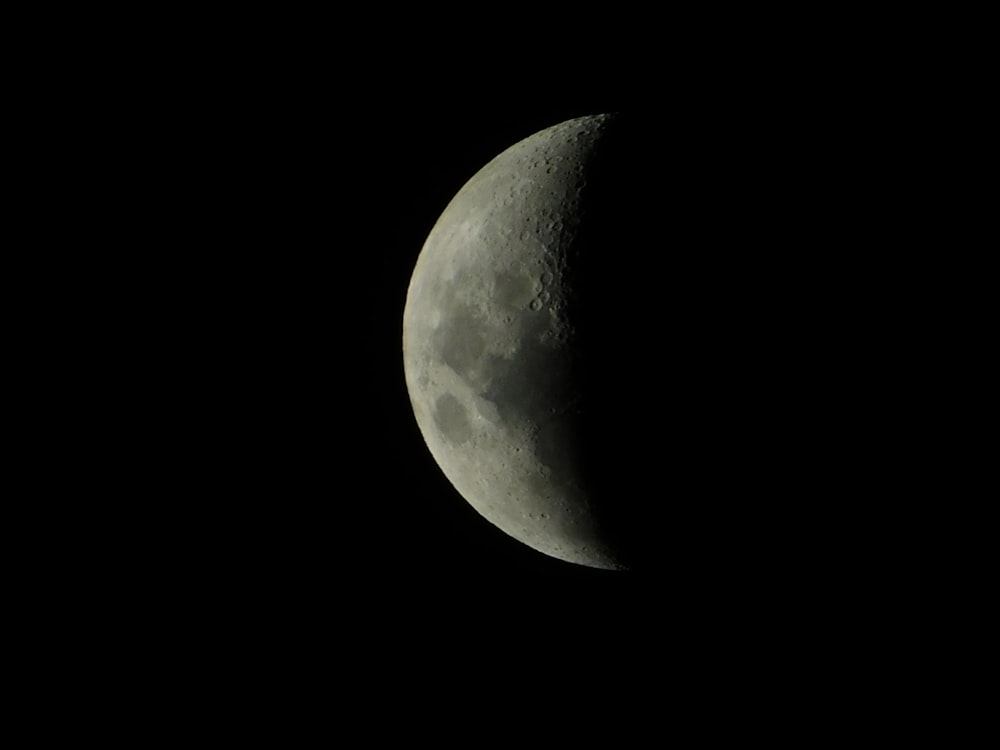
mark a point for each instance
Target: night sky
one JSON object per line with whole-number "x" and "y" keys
{"x": 303, "y": 486}
{"x": 318, "y": 216}
{"x": 240, "y": 528}
{"x": 282, "y": 524}
{"x": 256, "y": 529}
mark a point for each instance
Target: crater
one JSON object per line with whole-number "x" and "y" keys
{"x": 511, "y": 291}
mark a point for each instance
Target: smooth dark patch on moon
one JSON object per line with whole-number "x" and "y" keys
{"x": 513, "y": 292}
{"x": 460, "y": 340}
{"x": 528, "y": 384}
{"x": 452, "y": 419}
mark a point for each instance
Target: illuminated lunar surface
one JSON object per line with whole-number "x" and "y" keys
{"x": 490, "y": 343}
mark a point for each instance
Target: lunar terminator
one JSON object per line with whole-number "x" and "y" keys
{"x": 492, "y": 343}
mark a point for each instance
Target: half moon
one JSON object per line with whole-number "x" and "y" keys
{"x": 490, "y": 343}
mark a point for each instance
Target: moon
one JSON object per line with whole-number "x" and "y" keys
{"x": 495, "y": 337}
{"x": 628, "y": 341}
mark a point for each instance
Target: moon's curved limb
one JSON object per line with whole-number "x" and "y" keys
{"x": 488, "y": 340}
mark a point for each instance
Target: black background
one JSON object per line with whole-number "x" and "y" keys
{"x": 251, "y": 521}
{"x": 294, "y": 221}
{"x": 276, "y": 204}
{"x": 255, "y": 515}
